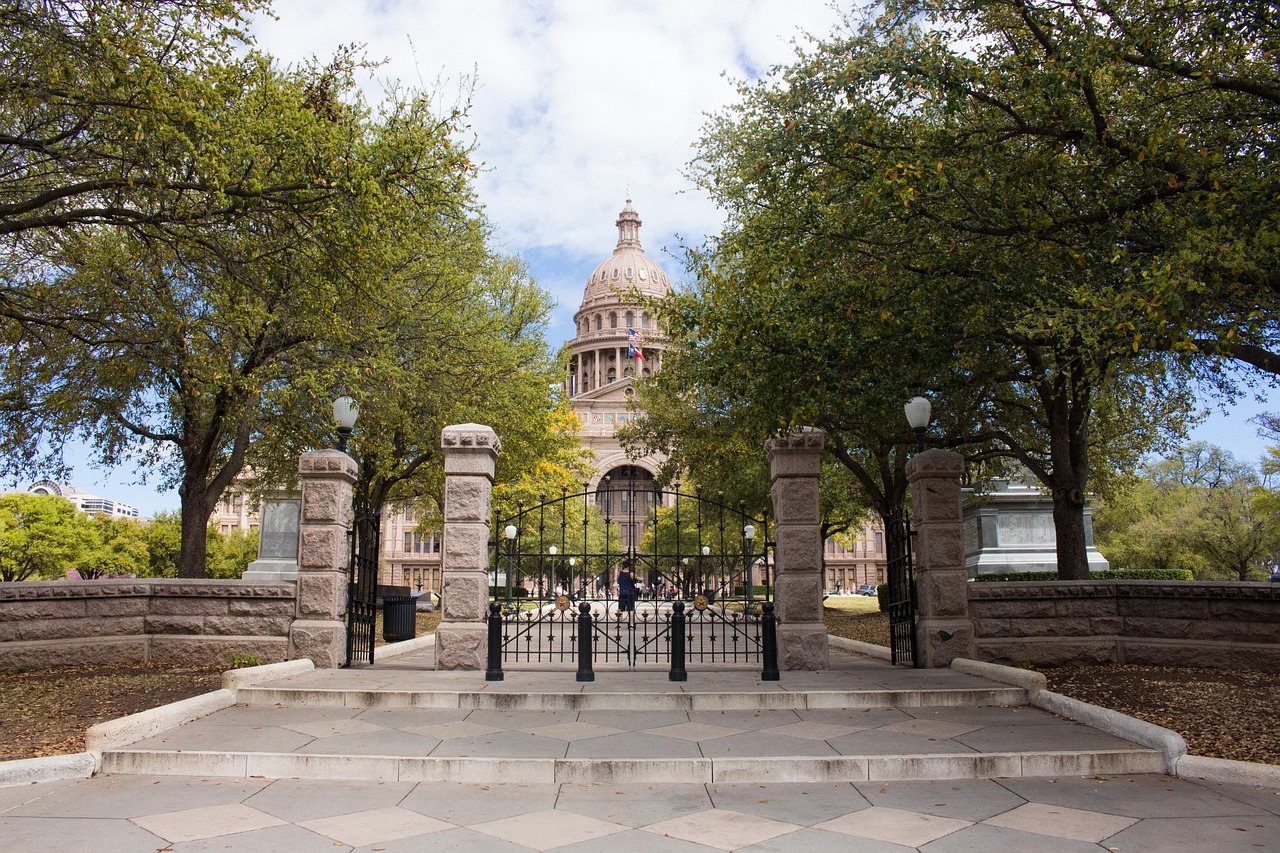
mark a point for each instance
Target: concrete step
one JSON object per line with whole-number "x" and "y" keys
{"x": 494, "y": 770}
{"x": 622, "y": 700}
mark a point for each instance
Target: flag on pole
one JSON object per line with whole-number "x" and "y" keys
{"x": 634, "y": 345}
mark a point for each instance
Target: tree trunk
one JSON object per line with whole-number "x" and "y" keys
{"x": 1068, "y": 420}
{"x": 195, "y": 525}
{"x": 1068, "y": 527}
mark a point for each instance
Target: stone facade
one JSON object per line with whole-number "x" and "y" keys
{"x": 324, "y": 558}
{"x": 795, "y": 462}
{"x": 470, "y": 454}
{"x": 943, "y": 632}
{"x": 1204, "y": 624}
{"x": 174, "y": 622}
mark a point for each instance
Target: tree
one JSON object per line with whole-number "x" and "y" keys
{"x": 983, "y": 192}
{"x": 1199, "y": 509}
{"x": 41, "y": 537}
{"x": 272, "y": 201}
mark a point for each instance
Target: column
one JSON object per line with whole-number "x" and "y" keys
{"x": 794, "y": 464}
{"x": 470, "y": 453}
{"x": 318, "y": 631}
{"x": 943, "y": 630}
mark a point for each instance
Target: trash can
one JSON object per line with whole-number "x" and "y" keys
{"x": 399, "y": 618}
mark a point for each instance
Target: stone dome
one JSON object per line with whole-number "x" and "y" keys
{"x": 628, "y": 269}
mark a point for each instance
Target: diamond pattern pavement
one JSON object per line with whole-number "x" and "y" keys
{"x": 257, "y": 816}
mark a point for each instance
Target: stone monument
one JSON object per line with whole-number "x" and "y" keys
{"x": 1008, "y": 527}
{"x": 277, "y": 541}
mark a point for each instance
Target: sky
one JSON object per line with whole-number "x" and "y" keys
{"x": 575, "y": 106}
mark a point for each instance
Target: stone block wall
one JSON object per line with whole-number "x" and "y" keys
{"x": 1204, "y": 624}
{"x": 175, "y": 622}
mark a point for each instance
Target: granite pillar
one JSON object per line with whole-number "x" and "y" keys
{"x": 943, "y": 629}
{"x": 795, "y": 462}
{"x": 318, "y": 630}
{"x": 470, "y": 453}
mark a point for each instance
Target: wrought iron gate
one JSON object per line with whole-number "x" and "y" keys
{"x": 902, "y": 592}
{"x": 550, "y": 558}
{"x": 362, "y": 589}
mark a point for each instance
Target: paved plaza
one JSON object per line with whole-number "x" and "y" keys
{"x": 129, "y": 814}
{"x": 376, "y": 759}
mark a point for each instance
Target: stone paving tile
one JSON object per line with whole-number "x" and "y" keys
{"x": 993, "y": 715}
{"x": 297, "y": 800}
{"x": 333, "y": 728}
{"x": 938, "y": 729}
{"x": 571, "y": 731}
{"x": 966, "y": 799}
{"x": 20, "y": 795}
{"x": 456, "y": 840}
{"x": 69, "y": 835}
{"x": 864, "y": 718}
{"x": 403, "y": 718}
{"x": 503, "y": 744}
{"x": 633, "y": 804}
{"x": 207, "y": 822}
{"x": 1135, "y": 796}
{"x": 634, "y": 720}
{"x": 721, "y": 829}
{"x": 1267, "y": 799}
{"x": 747, "y": 720}
{"x": 1050, "y": 738}
{"x": 462, "y": 804}
{"x": 881, "y": 742}
{"x": 799, "y": 803}
{"x": 815, "y": 731}
{"x": 376, "y": 826}
{"x": 548, "y": 829}
{"x": 984, "y": 838}
{"x": 1200, "y": 834}
{"x": 380, "y": 742}
{"x": 637, "y": 841}
{"x": 810, "y": 840}
{"x": 633, "y": 745}
{"x": 275, "y": 839}
{"x": 272, "y": 715}
{"x": 198, "y": 737}
{"x": 521, "y": 719}
{"x": 460, "y": 728}
{"x": 693, "y": 731}
{"x": 125, "y": 796}
{"x": 1062, "y": 822}
{"x": 894, "y": 825}
{"x": 764, "y": 744}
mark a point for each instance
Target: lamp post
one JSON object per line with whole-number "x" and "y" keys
{"x": 510, "y": 532}
{"x": 918, "y": 412}
{"x": 702, "y": 570}
{"x": 345, "y": 411}
{"x": 748, "y": 536}
{"x": 553, "y": 551}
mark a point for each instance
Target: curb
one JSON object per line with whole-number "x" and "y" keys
{"x": 1168, "y": 742}
{"x": 234, "y": 679}
{"x": 404, "y": 647}
{"x": 144, "y": 724}
{"x": 871, "y": 650}
{"x": 1030, "y": 680}
{"x": 1225, "y": 770}
{"x": 54, "y": 768}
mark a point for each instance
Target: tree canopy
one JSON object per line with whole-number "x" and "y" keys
{"x": 1019, "y": 208}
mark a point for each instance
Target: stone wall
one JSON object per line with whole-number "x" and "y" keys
{"x": 177, "y": 622}
{"x": 1226, "y": 625}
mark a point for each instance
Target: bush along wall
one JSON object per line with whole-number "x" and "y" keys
{"x": 1106, "y": 575}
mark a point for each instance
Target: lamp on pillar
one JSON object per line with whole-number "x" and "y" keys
{"x": 345, "y": 411}
{"x": 748, "y": 536}
{"x": 510, "y": 531}
{"x": 918, "y": 412}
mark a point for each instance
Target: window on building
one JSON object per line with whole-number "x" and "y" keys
{"x": 599, "y": 322}
{"x": 631, "y": 319}
{"x": 644, "y": 319}
{"x": 613, "y": 319}
{"x": 879, "y": 543}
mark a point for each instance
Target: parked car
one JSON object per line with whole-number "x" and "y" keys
{"x": 867, "y": 589}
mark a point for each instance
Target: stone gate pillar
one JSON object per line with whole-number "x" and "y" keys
{"x": 943, "y": 631}
{"x": 318, "y": 631}
{"x": 795, "y": 462}
{"x": 470, "y": 451}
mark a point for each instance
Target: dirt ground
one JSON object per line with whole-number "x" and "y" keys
{"x": 1221, "y": 713}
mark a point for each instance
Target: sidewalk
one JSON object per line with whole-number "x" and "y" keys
{"x": 1127, "y": 814}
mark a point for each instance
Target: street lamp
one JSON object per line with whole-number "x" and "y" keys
{"x": 345, "y": 411}
{"x": 918, "y": 412}
{"x": 748, "y": 535}
{"x": 510, "y": 532}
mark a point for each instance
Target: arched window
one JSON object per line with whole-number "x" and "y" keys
{"x": 599, "y": 322}
{"x": 631, "y": 320}
{"x": 644, "y": 319}
{"x": 613, "y": 319}
{"x": 613, "y": 375}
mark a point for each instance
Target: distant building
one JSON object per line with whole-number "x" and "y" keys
{"x": 85, "y": 502}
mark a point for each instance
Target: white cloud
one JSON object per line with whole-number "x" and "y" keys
{"x": 576, "y": 103}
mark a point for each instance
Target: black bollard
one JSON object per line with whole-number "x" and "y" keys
{"x": 585, "y": 672}
{"x": 494, "y": 671}
{"x": 769, "y": 624}
{"x": 678, "y": 672}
